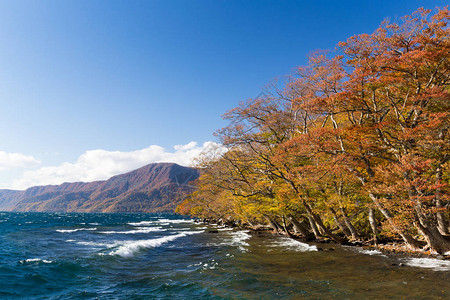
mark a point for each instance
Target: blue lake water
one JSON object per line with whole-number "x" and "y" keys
{"x": 162, "y": 256}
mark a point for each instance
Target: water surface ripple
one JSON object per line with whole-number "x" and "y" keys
{"x": 162, "y": 256}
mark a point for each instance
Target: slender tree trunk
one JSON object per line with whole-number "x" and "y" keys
{"x": 319, "y": 223}
{"x": 275, "y": 226}
{"x": 340, "y": 224}
{"x": 440, "y": 217}
{"x": 298, "y": 227}
{"x": 407, "y": 238}
{"x": 285, "y": 226}
{"x": 348, "y": 223}
{"x": 313, "y": 225}
{"x": 432, "y": 235}
{"x": 373, "y": 225}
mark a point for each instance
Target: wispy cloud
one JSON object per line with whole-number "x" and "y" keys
{"x": 16, "y": 160}
{"x": 102, "y": 164}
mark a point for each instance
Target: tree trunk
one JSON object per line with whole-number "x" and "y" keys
{"x": 348, "y": 223}
{"x": 319, "y": 223}
{"x": 407, "y": 238}
{"x": 313, "y": 225}
{"x": 299, "y": 228}
{"x": 440, "y": 217}
{"x": 340, "y": 224}
{"x": 373, "y": 225}
{"x": 285, "y": 226}
{"x": 275, "y": 226}
{"x": 432, "y": 235}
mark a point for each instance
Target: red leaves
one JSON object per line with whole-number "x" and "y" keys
{"x": 372, "y": 122}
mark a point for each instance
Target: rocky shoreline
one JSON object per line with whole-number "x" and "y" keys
{"x": 388, "y": 248}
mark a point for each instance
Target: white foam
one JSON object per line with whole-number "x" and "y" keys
{"x": 129, "y": 248}
{"x": 134, "y": 231}
{"x": 430, "y": 263}
{"x": 292, "y": 244}
{"x": 99, "y": 245}
{"x": 371, "y": 252}
{"x": 30, "y": 260}
{"x": 193, "y": 232}
{"x": 239, "y": 238}
{"x": 142, "y": 223}
{"x": 177, "y": 221}
{"x": 74, "y": 230}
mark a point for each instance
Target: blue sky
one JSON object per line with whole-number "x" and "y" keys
{"x": 120, "y": 76}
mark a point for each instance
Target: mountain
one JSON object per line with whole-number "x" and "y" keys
{"x": 153, "y": 188}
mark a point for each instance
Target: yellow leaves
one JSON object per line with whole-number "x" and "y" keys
{"x": 372, "y": 121}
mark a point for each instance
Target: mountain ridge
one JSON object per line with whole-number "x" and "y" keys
{"x": 155, "y": 187}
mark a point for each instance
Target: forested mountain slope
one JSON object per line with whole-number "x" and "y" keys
{"x": 152, "y": 188}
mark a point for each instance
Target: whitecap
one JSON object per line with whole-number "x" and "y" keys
{"x": 127, "y": 249}
{"x": 430, "y": 263}
{"x": 371, "y": 252}
{"x": 31, "y": 260}
{"x": 99, "y": 245}
{"x": 74, "y": 230}
{"x": 292, "y": 244}
{"x": 192, "y": 232}
{"x": 142, "y": 223}
{"x": 176, "y": 221}
{"x": 134, "y": 231}
{"x": 239, "y": 238}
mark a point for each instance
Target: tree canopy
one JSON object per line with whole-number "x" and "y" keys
{"x": 353, "y": 146}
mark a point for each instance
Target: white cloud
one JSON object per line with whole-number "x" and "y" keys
{"x": 16, "y": 160}
{"x": 102, "y": 164}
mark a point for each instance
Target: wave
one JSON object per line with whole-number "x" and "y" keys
{"x": 175, "y": 221}
{"x": 37, "y": 260}
{"x": 292, "y": 244}
{"x": 134, "y": 231}
{"x": 239, "y": 238}
{"x": 430, "y": 263}
{"x": 142, "y": 223}
{"x": 99, "y": 245}
{"x": 74, "y": 230}
{"x": 190, "y": 228}
{"x": 129, "y": 248}
{"x": 371, "y": 252}
{"x": 161, "y": 222}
